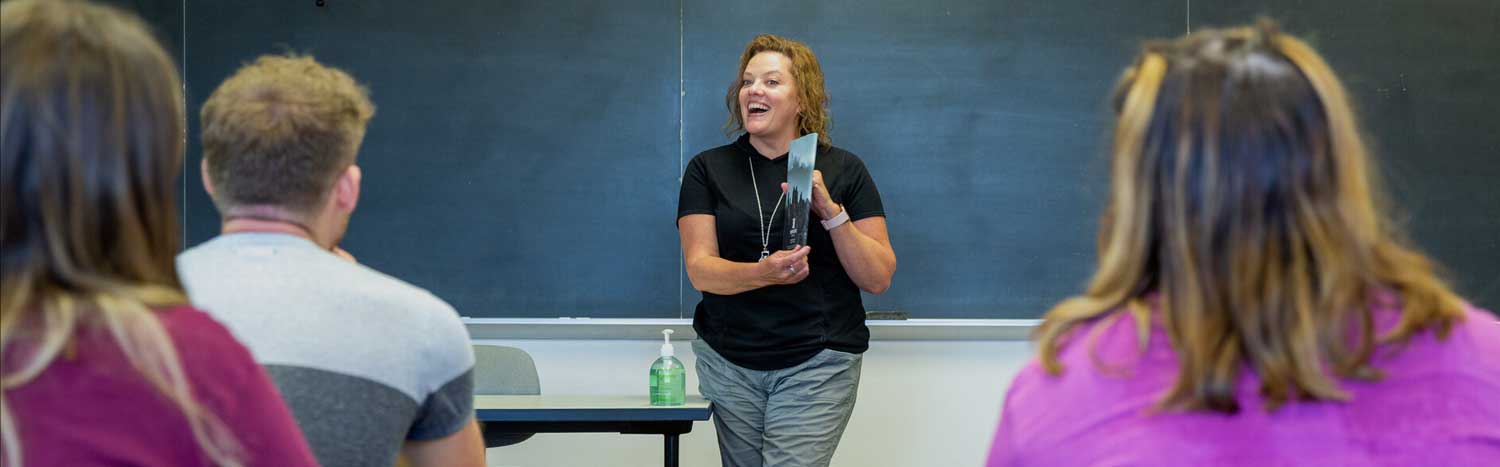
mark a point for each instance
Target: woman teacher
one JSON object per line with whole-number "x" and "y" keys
{"x": 781, "y": 330}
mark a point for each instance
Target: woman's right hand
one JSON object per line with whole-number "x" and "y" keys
{"x": 785, "y": 266}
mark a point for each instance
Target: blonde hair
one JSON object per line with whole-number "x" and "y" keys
{"x": 92, "y": 122}
{"x": 814, "y": 117}
{"x": 279, "y": 131}
{"x": 1240, "y": 193}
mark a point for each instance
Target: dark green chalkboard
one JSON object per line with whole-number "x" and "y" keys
{"x": 525, "y": 156}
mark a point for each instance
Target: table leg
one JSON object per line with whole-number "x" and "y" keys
{"x": 671, "y": 449}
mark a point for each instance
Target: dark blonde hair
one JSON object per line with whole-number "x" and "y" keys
{"x": 280, "y": 130}
{"x": 1240, "y": 195}
{"x": 91, "y": 121}
{"x": 814, "y": 117}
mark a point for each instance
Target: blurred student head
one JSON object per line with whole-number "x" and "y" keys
{"x": 279, "y": 143}
{"x": 1242, "y": 200}
{"x": 91, "y": 140}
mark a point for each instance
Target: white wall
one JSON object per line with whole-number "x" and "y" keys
{"x": 921, "y": 404}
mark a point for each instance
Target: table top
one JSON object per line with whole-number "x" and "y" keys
{"x": 561, "y": 408}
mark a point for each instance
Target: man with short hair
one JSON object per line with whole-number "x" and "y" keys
{"x": 371, "y": 366}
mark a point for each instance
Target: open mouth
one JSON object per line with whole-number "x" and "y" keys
{"x": 757, "y": 108}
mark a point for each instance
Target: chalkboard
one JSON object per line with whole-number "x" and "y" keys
{"x": 525, "y": 156}
{"x": 522, "y": 158}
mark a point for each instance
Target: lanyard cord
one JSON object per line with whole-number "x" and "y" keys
{"x": 765, "y": 227}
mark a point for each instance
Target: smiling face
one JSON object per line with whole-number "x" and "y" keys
{"x": 768, "y": 97}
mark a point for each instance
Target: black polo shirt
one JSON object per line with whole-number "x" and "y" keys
{"x": 777, "y": 326}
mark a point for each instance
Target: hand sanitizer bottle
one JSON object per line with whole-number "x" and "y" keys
{"x": 668, "y": 376}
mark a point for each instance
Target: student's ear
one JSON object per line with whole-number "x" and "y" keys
{"x": 346, "y": 189}
{"x": 208, "y": 184}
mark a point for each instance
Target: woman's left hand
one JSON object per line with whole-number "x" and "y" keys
{"x": 863, "y": 248}
{"x": 822, "y": 204}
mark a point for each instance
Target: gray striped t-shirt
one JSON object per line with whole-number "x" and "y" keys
{"x": 364, "y": 360}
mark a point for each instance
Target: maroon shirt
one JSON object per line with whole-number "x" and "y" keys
{"x": 92, "y": 408}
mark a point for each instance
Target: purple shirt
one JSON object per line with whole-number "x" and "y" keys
{"x": 92, "y": 408}
{"x": 1438, "y": 405}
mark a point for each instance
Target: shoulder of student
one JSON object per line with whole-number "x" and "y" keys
{"x": 429, "y": 316}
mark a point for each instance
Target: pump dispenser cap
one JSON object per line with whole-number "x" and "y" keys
{"x": 666, "y": 346}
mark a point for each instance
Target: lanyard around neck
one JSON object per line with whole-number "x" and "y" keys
{"x": 765, "y": 225}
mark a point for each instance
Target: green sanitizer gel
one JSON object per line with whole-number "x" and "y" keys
{"x": 668, "y": 376}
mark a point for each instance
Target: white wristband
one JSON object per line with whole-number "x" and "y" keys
{"x": 836, "y": 221}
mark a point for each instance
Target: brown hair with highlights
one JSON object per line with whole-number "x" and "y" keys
{"x": 280, "y": 130}
{"x": 91, "y": 141}
{"x": 1241, "y": 198}
{"x": 814, "y": 117}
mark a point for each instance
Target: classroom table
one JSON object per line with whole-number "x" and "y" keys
{"x": 592, "y": 414}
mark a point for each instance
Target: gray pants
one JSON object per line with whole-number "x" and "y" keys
{"x": 788, "y": 417}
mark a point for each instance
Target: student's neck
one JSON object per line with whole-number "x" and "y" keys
{"x": 267, "y": 220}
{"x": 772, "y": 147}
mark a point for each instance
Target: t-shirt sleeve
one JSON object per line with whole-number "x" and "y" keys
{"x": 697, "y": 195}
{"x": 237, "y": 390}
{"x": 861, "y": 197}
{"x": 449, "y": 405}
{"x": 446, "y": 410}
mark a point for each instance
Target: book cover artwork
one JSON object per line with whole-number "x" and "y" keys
{"x": 799, "y": 171}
